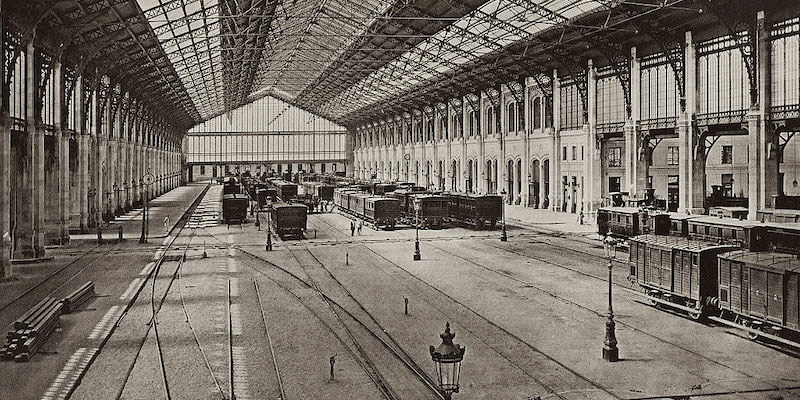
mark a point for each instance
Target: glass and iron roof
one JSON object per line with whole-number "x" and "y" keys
{"x": 339, "y": 59}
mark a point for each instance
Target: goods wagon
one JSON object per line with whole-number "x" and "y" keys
{"x": 289, "y": 219}
{"x": 234, "y": 207}
{"x": 761, "y": 291}
{"x": 676, "y": 270}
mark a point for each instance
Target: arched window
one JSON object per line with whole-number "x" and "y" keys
{"x": 489, "y": 121}
{"x": 537, "y": 113}
{"x": 512, "y": 117}
{"x": 456, "y": 127}
{"x": 471, "y": 123}
{"x": 443, "y": 134}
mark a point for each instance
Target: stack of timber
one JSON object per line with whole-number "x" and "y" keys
{"x": 32, "y": 330}
{"x": 78, "y": 297}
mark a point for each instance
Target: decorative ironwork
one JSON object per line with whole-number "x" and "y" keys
{"x": 620, "y": 62}
{"x": 43, "y": 63}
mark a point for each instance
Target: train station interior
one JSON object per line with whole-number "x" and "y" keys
{"x": 399, "y": 199}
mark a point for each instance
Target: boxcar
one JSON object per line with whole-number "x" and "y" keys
{"x": 261, "y": 198}
{"x": 285, "y": 190}
{"x": 231, "y": 185}
{"x": 676, "y": 270}
{"x": 380, "y": 189}
{"x": 433, "y": 209}
{"x": 783, "y": 237}
{"x": 779, "y": 215}
{"x": 760, "y": 290}
{"x": 728, "y": 212}
{"x": 323, "y": 191}
{"x": 289, "y": 219}
{"x": 476, "y": 210}
{"x": 382, "y": 211}
{"x": 234, "y": 207}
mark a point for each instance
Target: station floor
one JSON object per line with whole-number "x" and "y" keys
{"x": 531, "y": 313}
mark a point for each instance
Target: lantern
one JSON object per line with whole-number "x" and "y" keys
{"x": 447, "y": 358}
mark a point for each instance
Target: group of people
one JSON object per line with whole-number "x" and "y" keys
{"x": 354, "y": 228}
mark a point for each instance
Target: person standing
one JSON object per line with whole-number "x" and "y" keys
{"x": 352, "y": 228}
{"x": 360, "y": 225}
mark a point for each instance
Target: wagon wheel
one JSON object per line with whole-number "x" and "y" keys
{"x": 698, "y": 312}
{"x": 480, "y": 224}
{"x": 651, "y": 299}
{"x": 751, "y": 335}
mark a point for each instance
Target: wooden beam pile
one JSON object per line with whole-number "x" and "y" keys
{"x": 32, "y": 330}
{"x": 78, "y": 297}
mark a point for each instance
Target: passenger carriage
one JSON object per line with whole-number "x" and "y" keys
{"x": 475, "y": 210}
{"x": 433, "y": 210}
{"x": 381, "y": 211}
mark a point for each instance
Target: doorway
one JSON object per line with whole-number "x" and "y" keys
{"x": 673, "y": 193}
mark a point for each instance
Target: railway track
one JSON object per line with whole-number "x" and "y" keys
{"x": 59, "y": 278}
{"x": 172, "y": 275}
{"x": 777, "y": 343}
{"x": 601, "y": 314}
{"x": 350, "y": 331}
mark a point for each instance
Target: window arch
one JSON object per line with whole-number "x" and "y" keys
{"x": 537, "y": 113}
{"x": 443, "y": 134}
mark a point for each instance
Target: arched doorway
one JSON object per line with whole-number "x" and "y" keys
{"x": 533, "y": 185}
{"x": 510, "y": 181}
{"x": 518, "y": 197}
{"x": 440, "y": 174}
{"x": 454, "y": 176}
{"x": 428, "y": 175}
{"x": 546, "y": 184}
{"x": 489, "y": 176}
{"x": 469, "y": 177}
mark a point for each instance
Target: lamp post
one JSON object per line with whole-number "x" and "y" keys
{"x": 503, "y": 235}
{"x": 447, "y": 359}
{"x": 417, "y": 255}
{"x": 610, "y": 350}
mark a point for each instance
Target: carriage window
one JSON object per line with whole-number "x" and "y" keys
{"x": 694, "y": 228}
{"x": 723, "y": 295}
{"x": 733, "y": 233}
{"x": 694, "y": 259}
{"x": 708, "y": 231}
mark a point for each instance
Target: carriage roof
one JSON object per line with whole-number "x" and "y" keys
{"x": 767, "y": 259}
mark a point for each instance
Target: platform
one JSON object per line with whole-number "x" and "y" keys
{"x": 119, "y": 271}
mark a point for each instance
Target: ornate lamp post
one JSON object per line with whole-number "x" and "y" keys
{"x": 610, "y": 350}
{"x": 447, "y": 358}
{"x": 503, "y": 235}
{"x": 417, "y": 255}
